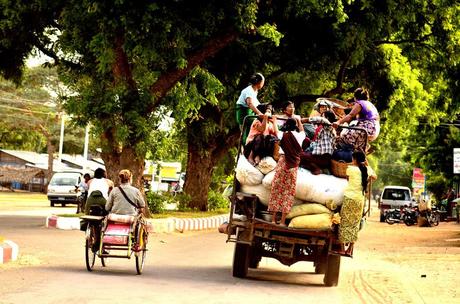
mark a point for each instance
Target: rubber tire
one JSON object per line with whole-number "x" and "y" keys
{"x": 140, "y": 261}
{"x": 387, "y": 219}
{"x": 254, "y": 258}
{"x": 382, "y": 218}
{"x": 331, "y": 277}
{"x": 51, "y": 203}
{"x": 240, "y": 260}
{"x": 321, "y": 266}
{"x": 90, "y": 255}
{"x": 140, "y": 256}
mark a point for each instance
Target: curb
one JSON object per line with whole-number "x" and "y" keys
{"x": 8, "y": 251}
{"x": 166, "y": 225}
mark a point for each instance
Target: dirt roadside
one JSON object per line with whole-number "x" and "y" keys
{"x": 401, "y": 264}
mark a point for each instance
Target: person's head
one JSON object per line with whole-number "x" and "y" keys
{"x": 125, "y": 176}
{"x": 86, "y": 177}
{"x": 361, "y": 94}
{"x": 288, "y": 108}
{"x": 322, "y": 107}
{"x": 359, "y": 159}
{"x": 257, "y": 81}
{"x": 291, "y": 125}
{"x": 265, "y": 108}
{"x": 99, "y": 173}
{"x": 329, "y": 115}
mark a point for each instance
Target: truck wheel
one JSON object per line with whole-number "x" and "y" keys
{"x": 382, "y": 217}
{"x": 51, "y": 203}
{"x": 254, "y": 258}
{"x": 240, "y": 260}
{"x": 321, "y": 266}
{"x": 331, "y": 278}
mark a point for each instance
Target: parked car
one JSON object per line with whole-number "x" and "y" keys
{"x": 63, "y": 187}
{"x": 394, "y": 197}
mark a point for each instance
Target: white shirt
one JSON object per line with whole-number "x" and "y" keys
{"x": 248, "y": 92}
{"x": 100, "y": 184}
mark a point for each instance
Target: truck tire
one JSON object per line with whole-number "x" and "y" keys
{"x": 321, "y": 266}
{"x": 382, "y": 217}
{"x": 254, "y": 258}
{"x": 331, "y": 278}
{"x": 51, "y": 203}
{"x": 240, "y": 260}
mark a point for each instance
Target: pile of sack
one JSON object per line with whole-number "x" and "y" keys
{"x": 316, "y": 197}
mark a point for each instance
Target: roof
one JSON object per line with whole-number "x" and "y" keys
{"x": 8, "y": 174}
{"x": 69, "y": 162}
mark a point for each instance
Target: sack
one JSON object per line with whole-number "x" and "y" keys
{"x": 266, "y": 165}
{"x": 312, "y": 221}
{"x": 259, "y": 190}
{"x": 246, "y": 174}
{"x": 306, "y": 209}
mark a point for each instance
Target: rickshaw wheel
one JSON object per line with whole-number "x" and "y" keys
{"x": 90, "y": 253}
{"x": 140, "y": 255}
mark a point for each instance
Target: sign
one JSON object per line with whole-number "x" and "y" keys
{"x": 418, "y": 179}
{"x": 456, "y": 160}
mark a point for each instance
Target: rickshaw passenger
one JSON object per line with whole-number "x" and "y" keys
{"x": 125, "y": 199}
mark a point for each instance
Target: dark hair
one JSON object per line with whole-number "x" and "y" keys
{"x": 361, "y": 159}
{"x": 291, "y": 125}
{"x": 256, "y": 78}
{"x": 286, "y": 104}
{"x": 99, "y": 173}
{"x": 361, "y": 94}
{"x": 86, "y": 175}
{"x": 329, "y": 115}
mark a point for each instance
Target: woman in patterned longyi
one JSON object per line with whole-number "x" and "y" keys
{"x": 283, "y": 184}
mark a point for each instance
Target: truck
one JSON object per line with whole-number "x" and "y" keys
{"x": 255, "y": 237}
{"x": 394, "y": 197}
{"x": 62, "y": 188}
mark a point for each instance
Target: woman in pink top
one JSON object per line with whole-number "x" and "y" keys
{"x": 262, "y": 135}
{"x": 368, "y": 119}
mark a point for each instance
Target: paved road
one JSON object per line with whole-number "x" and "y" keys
{"x": 196, "y": 268}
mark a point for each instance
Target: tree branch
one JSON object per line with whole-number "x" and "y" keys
{"x": 168, "y": 79}
{"x": 339, "y": 80}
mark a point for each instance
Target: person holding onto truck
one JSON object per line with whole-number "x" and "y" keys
{"x": 99, "y": 188}
{"x": 283, "y": 185}
{"x": 368, "y": 119}
{"x": 247, "y": 102}
{"x": 262, "y": 136}
{"x": 351, "y": 211}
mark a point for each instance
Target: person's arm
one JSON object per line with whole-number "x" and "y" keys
{"x": 275, "y": 125}
{"x": 349, "y": 117}
{"x": 140, "y": 201}
{"x": 261, "y": 127}
{"x": 252, "y": 106}
{"x": 299, "y": 124}
{"x": 109, "y": 203}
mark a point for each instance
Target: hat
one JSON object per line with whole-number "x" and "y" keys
{"x": 323, "y": 103}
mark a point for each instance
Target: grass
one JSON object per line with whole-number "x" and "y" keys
{"x": 34, "y": 201}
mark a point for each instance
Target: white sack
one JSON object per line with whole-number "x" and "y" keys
{"x": 262, "y": 193}
{"x": 267, "y": 181}
{"x": 320, "y": 188}
{"x": 246, "y": 174}
{"x": 266, "y": 165}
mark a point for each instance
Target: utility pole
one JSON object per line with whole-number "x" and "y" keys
{"x": 85, "y": 149}
{"x": 61, "y": 138}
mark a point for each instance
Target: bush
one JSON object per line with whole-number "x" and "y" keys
{"x": 156, "y": 202}
{"x": 216, "y": 201}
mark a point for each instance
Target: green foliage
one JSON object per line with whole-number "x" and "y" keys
{"x": 217, "y": 201}
{"x": 156, "y": 202}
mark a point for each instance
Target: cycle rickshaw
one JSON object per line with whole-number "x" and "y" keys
{"x": 115, "y": 236}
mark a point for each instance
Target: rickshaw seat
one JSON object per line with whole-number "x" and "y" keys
{"x": 121, "y": 218}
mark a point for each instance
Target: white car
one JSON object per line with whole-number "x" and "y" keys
{"x": 394, "y": 197}
{"x": 62, "y": 188}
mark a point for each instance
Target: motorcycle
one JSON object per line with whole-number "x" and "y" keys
{"x": 406, "y": 215}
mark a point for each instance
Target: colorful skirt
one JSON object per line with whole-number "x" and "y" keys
{"x": 283, "y": 188}
{"x": 357, "y": 138}
{"x": 350, "y": 214}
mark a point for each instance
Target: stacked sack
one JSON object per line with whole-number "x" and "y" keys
{"x": 316, "y": 195}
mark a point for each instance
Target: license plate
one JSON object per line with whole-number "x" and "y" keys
{"x": 61, "y": 198}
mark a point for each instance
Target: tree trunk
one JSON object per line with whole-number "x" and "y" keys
{"x": 50, "y": 149}
{"x": 198, "y": 178}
